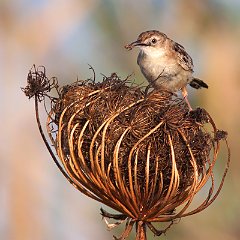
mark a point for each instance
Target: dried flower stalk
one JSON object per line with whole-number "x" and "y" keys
{"x": 142, "y": 154}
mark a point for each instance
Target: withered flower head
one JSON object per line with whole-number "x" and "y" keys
{"x": 142, "y": 154}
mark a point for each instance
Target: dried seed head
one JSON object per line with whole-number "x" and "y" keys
{"x": 143, "y": 155}
{"x": 38, "y": 83}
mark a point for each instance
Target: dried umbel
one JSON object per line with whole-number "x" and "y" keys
{"x": 142, "y": 154}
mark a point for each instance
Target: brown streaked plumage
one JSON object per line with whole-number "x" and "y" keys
{"x": 165, "y": 63}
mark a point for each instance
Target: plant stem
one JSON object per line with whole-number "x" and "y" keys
{"x": 141, "y": 231}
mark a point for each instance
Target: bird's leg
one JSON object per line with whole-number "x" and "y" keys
{"x": 185, "y": 95}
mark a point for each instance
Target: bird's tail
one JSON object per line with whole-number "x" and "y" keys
{"x": 197, "y": 83}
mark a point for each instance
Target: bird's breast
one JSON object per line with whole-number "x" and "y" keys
{"x": 152, "y": 67}
{"x": 163, "y": 72}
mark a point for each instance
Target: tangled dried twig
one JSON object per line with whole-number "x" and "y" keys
{"x": 143, "y": 155}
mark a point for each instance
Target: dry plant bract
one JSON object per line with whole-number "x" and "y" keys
{"x": 142, "y": 154}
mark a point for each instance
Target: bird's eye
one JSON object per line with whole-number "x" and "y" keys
{"x": 154, "y": 40}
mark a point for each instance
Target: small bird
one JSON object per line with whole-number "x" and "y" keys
{"x": 165, "y": 63}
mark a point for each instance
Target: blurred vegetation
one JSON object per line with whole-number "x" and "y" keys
{"x": 65, "y": 36}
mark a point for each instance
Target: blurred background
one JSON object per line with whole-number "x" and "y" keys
{"x": 67, "y": 35}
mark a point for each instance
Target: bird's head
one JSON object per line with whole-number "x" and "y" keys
{"x": 149, "y": 41}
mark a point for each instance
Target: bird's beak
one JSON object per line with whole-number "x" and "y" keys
{"x": 134, "y": 44}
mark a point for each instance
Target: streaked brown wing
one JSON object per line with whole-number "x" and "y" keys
{"x": 184, "y": 59}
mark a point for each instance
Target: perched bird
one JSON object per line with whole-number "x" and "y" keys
{"x": 165, "y": 63}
